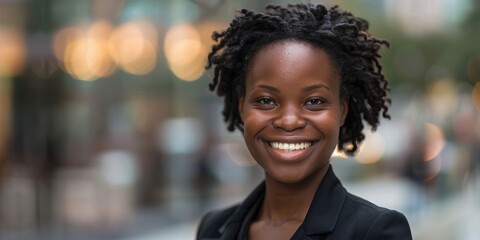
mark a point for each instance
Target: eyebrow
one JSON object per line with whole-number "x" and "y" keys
{"x": 270, "y": 88}
{"x": 316, "y": 86}
{"x": 306, "y": 89}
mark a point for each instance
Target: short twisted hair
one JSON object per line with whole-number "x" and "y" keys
{"x": 344, "y": 37}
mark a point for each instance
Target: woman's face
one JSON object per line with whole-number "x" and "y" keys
{"x": 291, "y": 110}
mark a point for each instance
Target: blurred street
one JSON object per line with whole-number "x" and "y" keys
{"x": 108, "y": 129}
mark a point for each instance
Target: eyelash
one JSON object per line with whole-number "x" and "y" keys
{"x": 266, "y": 101}
{"x": 262, "y": 101}
{"x": 319, "y": 101}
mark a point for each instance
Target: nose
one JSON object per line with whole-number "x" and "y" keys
{"x": 289, "y": 118}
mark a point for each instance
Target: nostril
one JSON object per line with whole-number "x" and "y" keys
{"x": 290, "y": 122}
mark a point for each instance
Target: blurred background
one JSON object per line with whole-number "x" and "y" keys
{"x": 108, "y": 130}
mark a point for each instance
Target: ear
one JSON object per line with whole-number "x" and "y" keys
{"x": 344, "y": 108}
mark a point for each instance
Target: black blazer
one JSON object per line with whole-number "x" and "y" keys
{"x": 333, "y": 214}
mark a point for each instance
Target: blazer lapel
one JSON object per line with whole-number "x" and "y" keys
{"x": 326, "y": 206}
{"x": 301, "y": 235}
{"x": 229, "y": 230}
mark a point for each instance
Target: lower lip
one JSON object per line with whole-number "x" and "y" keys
{"x": 289, "y": 156}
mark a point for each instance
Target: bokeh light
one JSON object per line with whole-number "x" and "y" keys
{"x": 133, "y": 46}
{"x": 443, "y": 97}
{"x": 206, "y": 29}
{"x": 100, "y": 64}
{"x": 372, "y": 150}
{"x": 95, "y": 51}
{"x": 434, "y": 141}
{"x": 84, "y": 51}
{"x": 62, "y": 38}
{"x": 12, "y": 52}
{"x": 185, "y": 51}
{"x": 339, "y": 154}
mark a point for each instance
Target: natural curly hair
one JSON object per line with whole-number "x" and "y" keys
{"x": 344, "y": 37}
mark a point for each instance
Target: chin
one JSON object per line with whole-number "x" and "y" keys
{"x": 297, "y": 174}
{"x": 290, "y": 178}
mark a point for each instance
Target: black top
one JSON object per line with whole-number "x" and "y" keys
{"x": 333, "y": 214}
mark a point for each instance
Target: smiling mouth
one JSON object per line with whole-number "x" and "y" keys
{"x": 290, "y": 146}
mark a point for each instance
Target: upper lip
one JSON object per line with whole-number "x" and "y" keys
{"x": 291, "y": 140}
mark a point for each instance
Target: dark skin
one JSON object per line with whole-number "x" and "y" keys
{"x": 292, "y": 113}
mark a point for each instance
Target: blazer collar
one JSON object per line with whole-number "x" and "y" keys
{"x": 230, "y": 229}
{"x": 326, "y": 206}
{"x": 321, "y": 217}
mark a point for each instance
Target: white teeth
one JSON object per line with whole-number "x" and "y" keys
{"x": 290, "y": 146}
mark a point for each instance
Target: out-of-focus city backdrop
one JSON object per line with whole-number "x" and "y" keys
{"x": 108, "y": 130}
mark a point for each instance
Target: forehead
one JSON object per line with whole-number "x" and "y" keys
{"x": 290, "y": 47}
{"x": 293, "y": 61}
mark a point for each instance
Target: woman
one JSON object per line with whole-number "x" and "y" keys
{"x": 298, "y": 81}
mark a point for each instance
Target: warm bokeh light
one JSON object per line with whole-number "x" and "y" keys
{"x": 206, "y": 29}
{"x": 92, "y": 52}
{"x": 133, "y": 46}
{"x": 434, "y": 141}
{"x": 443, "y": 97}
{"x": 191, "y": 71}
{"x": 339, "y": 154}
{"x": 84, "y": 51}
{"x": 372, "y": 150}
{"x": 62, "y": 38}
{"x": 100, "y": 64}
{"x": 75, "y": 59}
{"x": 126, "y": 44}
{"x": 476, "y": 96}
{"x": 12, "y": 52}
{"x": 185, "y": 51}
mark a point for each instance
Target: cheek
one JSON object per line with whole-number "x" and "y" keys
{"x": 253, "y": 120}
{"x": 328, "y": 123}
{"x": 253, "y": 123}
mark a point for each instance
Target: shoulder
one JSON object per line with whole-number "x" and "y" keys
{"x": 212, "y": 223}
{"x": 376, "y": 222}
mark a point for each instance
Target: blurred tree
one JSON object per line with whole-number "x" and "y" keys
{"x": 471, "y": 29}
{"x": 471, "y": 23}
{"x": 416, "y": 60}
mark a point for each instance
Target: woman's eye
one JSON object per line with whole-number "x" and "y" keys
{"x": 265, "y": 101}
{"x": 314, "y": 101}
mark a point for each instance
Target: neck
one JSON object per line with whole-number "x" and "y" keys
{"x": 289, "y": 201}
